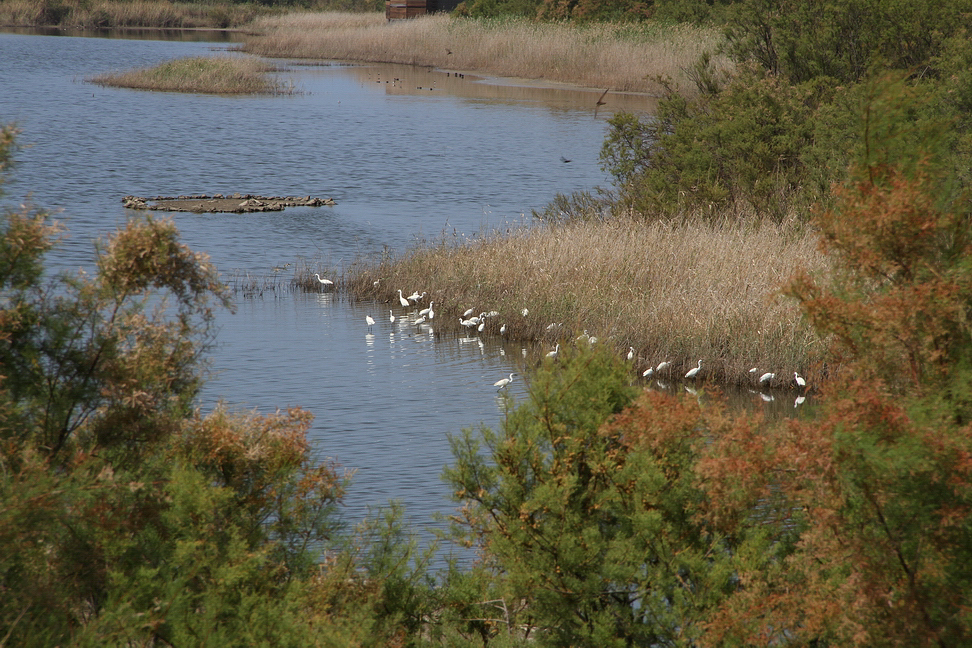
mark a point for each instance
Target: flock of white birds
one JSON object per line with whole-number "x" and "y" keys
{"x": 471, "y": 320}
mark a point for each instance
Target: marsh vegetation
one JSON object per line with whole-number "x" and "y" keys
{"x": 208, "y": 74}
{"x": 672, "y": 291}
{"x": 625, "y": 57}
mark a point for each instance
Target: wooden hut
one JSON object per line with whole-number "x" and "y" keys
{"x": 402, "y": 9}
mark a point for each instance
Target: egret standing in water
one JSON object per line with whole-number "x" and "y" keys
{"x": 799, "y": 379}
{"x": 324, "y": 282}
{"x": 402, "y": 300}
{"x": 391, "y": 317}
{"x": 370, "y": 320}
{"x": 503, "y": 382}
{"x": 693, "y": 372}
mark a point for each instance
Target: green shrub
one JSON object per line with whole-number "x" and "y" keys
{"x": 738, "y": 148}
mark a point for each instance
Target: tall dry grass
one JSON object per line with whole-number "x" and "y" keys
{"x": 207, "y": 74}
{"x": 138, "y": 13}
{"x": 673, "y": 292}
{"x": 622, "y": 57}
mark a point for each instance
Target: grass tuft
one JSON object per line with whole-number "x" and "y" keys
{"x": 206, "y": 74}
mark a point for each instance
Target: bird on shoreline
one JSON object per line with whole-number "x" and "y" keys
{"x": 799, "y": 379}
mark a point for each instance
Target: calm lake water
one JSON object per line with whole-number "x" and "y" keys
{"x": 407, "y": 154}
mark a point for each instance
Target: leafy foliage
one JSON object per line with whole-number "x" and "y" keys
{"x": 588, "y": 509}
{"x": 742, "y": 147}
{"x": 771, "y": 139}
{"x": 125, "y": 516}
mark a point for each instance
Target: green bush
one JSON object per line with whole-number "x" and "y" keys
{"x": 738, "y": 148}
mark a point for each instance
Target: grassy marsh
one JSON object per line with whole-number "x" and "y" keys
{"x": 209, "y": 74}
{"x": 622, "y": 57}
{"x": 673, "y": 292}
{"x": 139, "y": 13}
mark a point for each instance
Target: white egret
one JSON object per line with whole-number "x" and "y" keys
{"x": 753, "y": 370}
{"x": 420, "y": 320}
{"x": 524, "y": 312}
{"x": 431, "y": 312}
{"x": 799, "y": 379}
{"x": 766, "y": 377}
{"x": 553, "y": 354}
{"x": 469, "y": 311}
{"x": 492, "y": 313}
{"x": 664, "y": 364}
{"x": 324, "y": 282}
{"x": 391, "y": 316}
{"x": 631, "y": 354}
{"x": 592, "y": 339}
{"x": 503, "y": 330}
{"x": 648, "y": 372}
{"x": 402, "y": 300}
{"x": 503, "y": 382}
{"x": 425, "y": 311}
{"x": 481, "y": 326}
{"x": 370, "y": 320}
{"x": 692, "y": 373}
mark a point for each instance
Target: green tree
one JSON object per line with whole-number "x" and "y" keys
{"x": 882, "y": 476}
{"x": 125, "y": 516}
{"x": 588, "y": 508}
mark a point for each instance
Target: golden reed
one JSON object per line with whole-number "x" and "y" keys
{"x": 673, "y": 292}
{"x": 622, "y": 57}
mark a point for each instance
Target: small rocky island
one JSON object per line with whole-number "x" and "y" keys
{"x": 235, "y": 203}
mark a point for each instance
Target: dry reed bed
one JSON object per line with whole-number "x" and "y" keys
{"x": 209, "y": 74}
{"x": 616, "y": 56}
{"x": 151, "y": 13}
{"x": 675, "y": 293}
